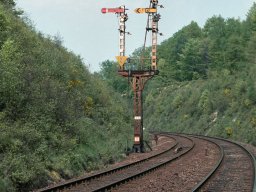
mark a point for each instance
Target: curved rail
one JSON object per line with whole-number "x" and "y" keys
{"x": 254, "y": 159}
{"x": 114, "y": 184}
{"x": 78, "y": 181}
{"x": 217, "y": 165}
{"x": 253, "y": 164}
{"x": 208, "y": 177}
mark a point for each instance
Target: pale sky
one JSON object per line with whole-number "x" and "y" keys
{"x": 94, "y": 36}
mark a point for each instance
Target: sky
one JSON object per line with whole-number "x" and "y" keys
{"x": 94, "y": 36}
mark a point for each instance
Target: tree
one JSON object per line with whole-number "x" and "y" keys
{"x": 191, "y": 64}
{"x": 109, "y": 74}
{"x": 171, "y": 50}
{"x": 215, "y": 31}
{"x": 3, "y": 29}
{"x": 251, "y": 18}
{"x": 251, "y": 49}
{"x": 8, "y": 3}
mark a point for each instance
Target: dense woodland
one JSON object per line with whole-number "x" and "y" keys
{"x": 58, "y": 120}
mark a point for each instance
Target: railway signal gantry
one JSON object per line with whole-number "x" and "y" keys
{"x": 138, "y": 75}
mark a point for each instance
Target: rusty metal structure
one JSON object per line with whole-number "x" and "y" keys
{"x": 138, "y": 76}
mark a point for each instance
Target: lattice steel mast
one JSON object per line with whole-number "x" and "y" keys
{"x": 142, "y": 74}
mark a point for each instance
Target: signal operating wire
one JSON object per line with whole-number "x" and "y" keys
{"x": 145, "y": 40}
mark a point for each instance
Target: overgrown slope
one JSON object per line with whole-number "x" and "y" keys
{"x": 223, "y": 106}
{"x": 207, "y": 81}
{"x": 56, "y": 119}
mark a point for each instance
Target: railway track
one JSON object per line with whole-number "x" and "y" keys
{"x": 232, "y": 169}
{"x": 181, "y": 174}
{"x": 108, "y": 179}
{"x": 234, "y": 172}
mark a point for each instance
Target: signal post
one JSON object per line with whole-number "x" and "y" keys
{"x": 142, "y": 74}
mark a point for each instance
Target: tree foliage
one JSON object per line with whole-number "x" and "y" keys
{"x": 207, "y": 84}
{"x": 56, "y": 118}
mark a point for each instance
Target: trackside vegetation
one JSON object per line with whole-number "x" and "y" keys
{"x": 56, "y": 119}
{"x": 207, "y": 83}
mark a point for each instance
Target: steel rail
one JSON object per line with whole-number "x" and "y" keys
{"x": 208, "y": 177}
{"x": 253, "y": 162}
{"x": 129, "y": 178}
{"x": 254, "y": 159}
{"x": 217, "y": 165}
{"x": 75, "y": 182}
